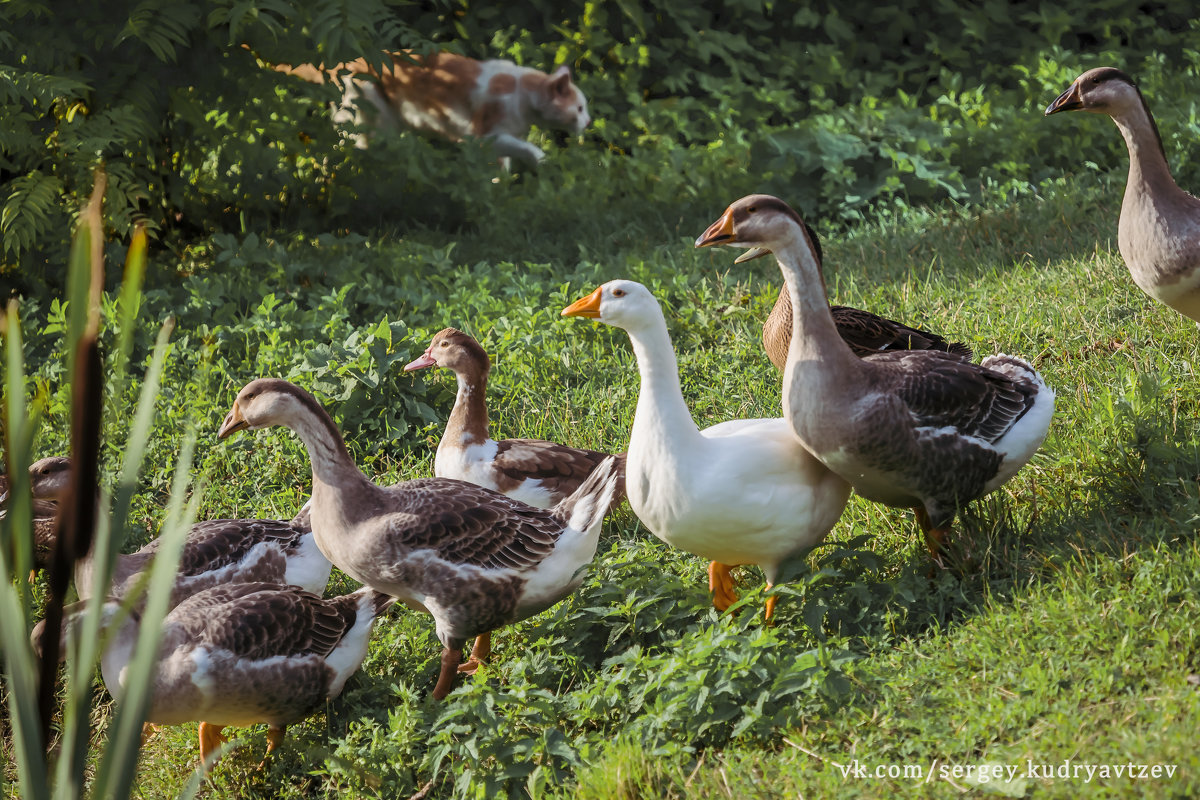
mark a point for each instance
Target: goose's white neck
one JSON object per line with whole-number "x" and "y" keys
{"x": 662, "y": 415}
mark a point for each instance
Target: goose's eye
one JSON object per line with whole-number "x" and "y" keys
{"x": 618, "y": 292}
{"x": 1096, "y": 79}
{"x": 445, "y": 344}
{"x": 751, "y": 209}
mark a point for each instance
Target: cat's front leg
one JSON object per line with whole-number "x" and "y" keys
{"x": 508, "y": 146}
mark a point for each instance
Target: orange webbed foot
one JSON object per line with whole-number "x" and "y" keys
{"x": 720, "y": 583}
{"x": 480, "y": 653}
{"x": 274, "y": 739}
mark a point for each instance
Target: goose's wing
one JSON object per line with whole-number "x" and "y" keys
{"x": 257, "y": 621}
{"x": 868, "y": 333}
{"x": 468, "y": 524}
{"x": 944, "y": 391}
{"x": 215, "y": 544}
{"x": 559, "y": 468}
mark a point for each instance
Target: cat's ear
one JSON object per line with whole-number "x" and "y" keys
{"x": 560, "y": 80}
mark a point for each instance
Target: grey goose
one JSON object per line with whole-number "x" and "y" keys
{"x": 921, "y": 429}
{"x": 1159, "y": 230}
{"x": 471, "y": 557}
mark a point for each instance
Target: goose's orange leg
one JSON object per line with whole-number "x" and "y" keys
{"x": 720, "y": 583}
{"x": 148, "y": 730}
{"x": 274, "y": 739}
{"x": 210, "y": 739}
{"x": 479, "y": 654}
{"x": 935, "y": 538}
{"x": 770, "y": 605}
{"x": 275, "y": 736}
{"x": 445, "y": 682}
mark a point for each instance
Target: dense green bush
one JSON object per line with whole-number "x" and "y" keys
{"x": 840, "y": 107}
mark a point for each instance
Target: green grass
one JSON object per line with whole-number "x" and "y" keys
{"x": 1068, "y": 634}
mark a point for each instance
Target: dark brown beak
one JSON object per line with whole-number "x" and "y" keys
{"x": 720, "y": 232}
{"x": 1067, "y": 101}
{"x": 234, "y": 422}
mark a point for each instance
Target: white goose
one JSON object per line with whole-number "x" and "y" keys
{"x": 216, "y": 552}
{"x": 1159, "y": 230}
{"x": 243, "y": 654}
{"x": 741, "y": 492}
{"x": 920, "y": 429}
{"x": 534, "y": 471}
{"x": 474, "y": 559}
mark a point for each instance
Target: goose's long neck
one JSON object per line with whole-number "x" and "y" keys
{"x": 468, "y": 423}
{"x": 1148, "y": 169}
{"x": 662, "y": 415}
{"x": 814, "y": 334}
{"x": 125, "y": 568}
{"x": 331, "y": 463}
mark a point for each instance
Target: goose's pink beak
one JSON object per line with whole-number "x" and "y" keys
{"x": 426, "y": 360}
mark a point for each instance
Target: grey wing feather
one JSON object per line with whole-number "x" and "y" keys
{"x": 942, "y": 390}
{"x": 468, "y": 524}
{"x": 259, "y": 620}
{"x": 868, "y": 333}
{"x": 217, "y": 543}
{"x": 559, "y": 468}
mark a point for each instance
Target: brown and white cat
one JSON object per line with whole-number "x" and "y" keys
{"x": 455, "y": 97}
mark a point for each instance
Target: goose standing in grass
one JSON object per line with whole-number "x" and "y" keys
{"x": 474, "y": 559}
{"x": 537, "y": 472}
{"x": 864, "y": 332}
{"x": 920, "y": 428}
{"x": 533, "y": 471}
{"x": 1159, "y": 230}
{"x": 43, "y": 526}
{"x": 741, "y": 492}
{"x": 216, "y": 552}
{"x": 243, "y": 654}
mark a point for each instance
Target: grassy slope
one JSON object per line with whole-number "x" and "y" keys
{"x": 1069, "y": 636}
{"x": 1073, "y": 638}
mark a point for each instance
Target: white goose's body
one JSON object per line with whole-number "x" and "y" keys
{"x": 215, "y": 553}
{"x": 1159, "y": 230}
{"x": 748, "y": 496}
{"x": 474, "y": 559}
{"x": 921, "y": 429}
{"x": 740, "y": 492}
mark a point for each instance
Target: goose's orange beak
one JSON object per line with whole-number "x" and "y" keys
{"x": 585, "y": 306}
{"x": 1067, "y": 101}
{"x": 720, "y": 232}
{"x": 234, "y": 422}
